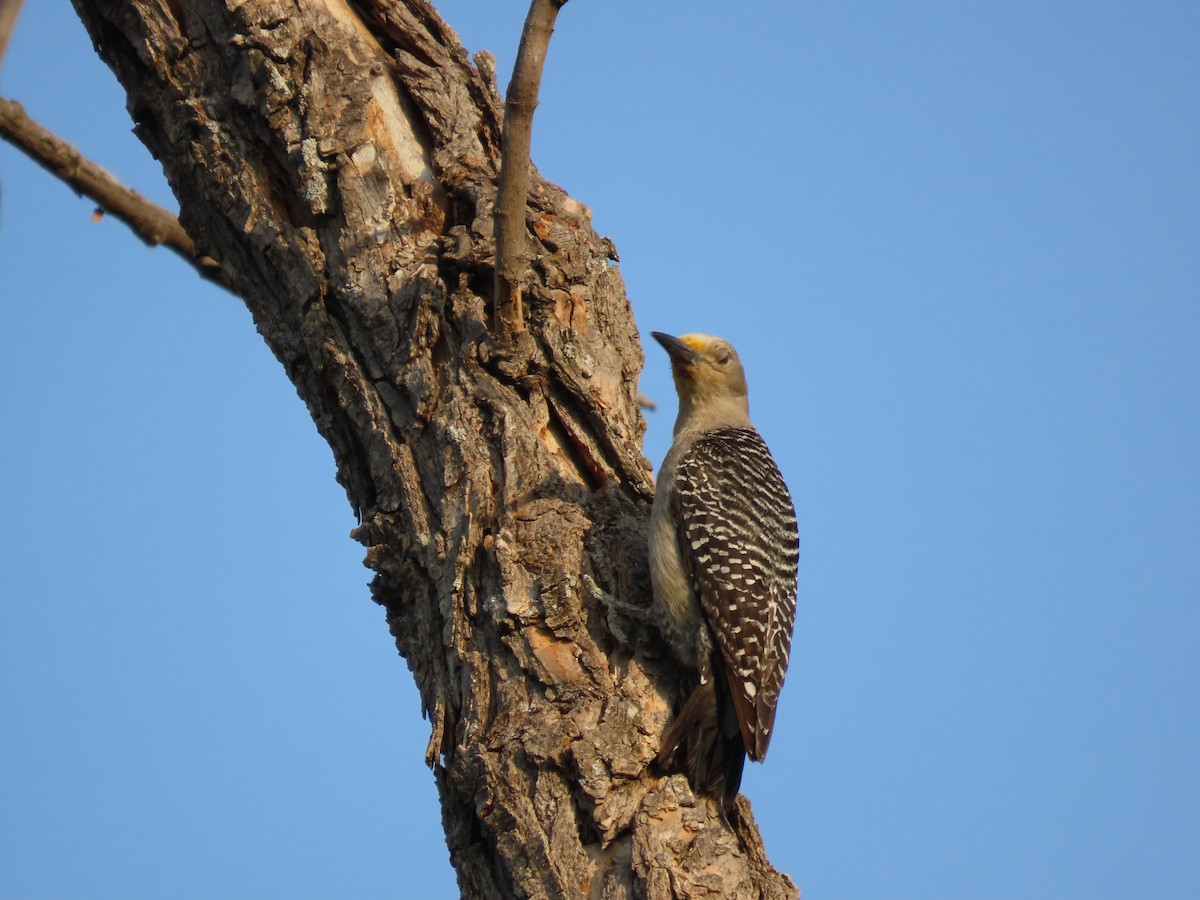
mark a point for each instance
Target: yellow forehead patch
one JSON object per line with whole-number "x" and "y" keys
{"x": 698, "y": 342}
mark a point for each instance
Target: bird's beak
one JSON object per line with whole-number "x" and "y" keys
{"x": 677, "y": 349}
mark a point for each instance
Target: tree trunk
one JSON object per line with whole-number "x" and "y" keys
{"x": 338, "y": 162}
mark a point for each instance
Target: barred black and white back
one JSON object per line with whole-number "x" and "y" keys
{"x": 739, "y": 536}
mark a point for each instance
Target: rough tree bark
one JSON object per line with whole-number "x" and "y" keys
{"x": 337, "y": 159}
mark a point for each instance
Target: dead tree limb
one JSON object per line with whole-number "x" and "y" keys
{"x": 149, "y": 221}
{"x": 520, "y": 102}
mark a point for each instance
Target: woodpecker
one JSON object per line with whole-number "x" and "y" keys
{"x": 724, "y": 550}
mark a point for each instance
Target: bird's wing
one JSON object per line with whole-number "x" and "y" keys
{"x": 738, "y": 534}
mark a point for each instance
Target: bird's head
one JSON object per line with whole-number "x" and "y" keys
{"x": 709, "y": 378}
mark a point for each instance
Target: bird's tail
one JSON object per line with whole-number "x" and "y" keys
{"x": 706, "y": 743}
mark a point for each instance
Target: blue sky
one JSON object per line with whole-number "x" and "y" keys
{"x": 958, "y": 247}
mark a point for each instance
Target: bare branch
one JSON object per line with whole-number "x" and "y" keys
{"x": 513, "y": 191}
{"x": 149, "y": 221}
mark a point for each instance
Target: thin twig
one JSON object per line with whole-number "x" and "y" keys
{"x": 513, "y": 191}
{"x": 149, "y": 221}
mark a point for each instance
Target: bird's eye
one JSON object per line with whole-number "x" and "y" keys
{"x": 722, "y": 357}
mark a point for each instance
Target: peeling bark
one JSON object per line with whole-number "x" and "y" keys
{"x": 337, "y": 159}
